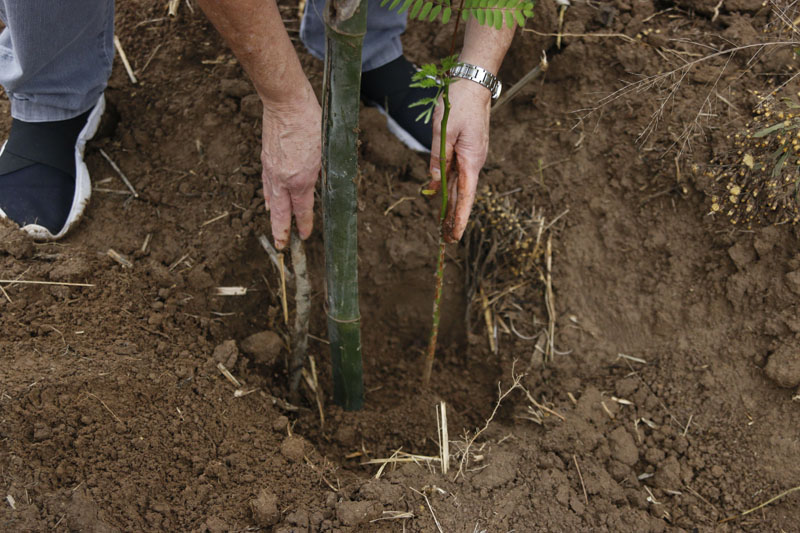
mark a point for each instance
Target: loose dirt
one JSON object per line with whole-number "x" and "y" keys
{"x": 115, "y": 417}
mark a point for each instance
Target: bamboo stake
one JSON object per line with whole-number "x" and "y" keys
{"x": 345, "y": 25}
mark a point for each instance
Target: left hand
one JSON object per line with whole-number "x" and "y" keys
{"x": 468, "y": 140}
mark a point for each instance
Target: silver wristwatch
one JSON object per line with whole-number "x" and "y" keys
{"x": 478, "y": 75}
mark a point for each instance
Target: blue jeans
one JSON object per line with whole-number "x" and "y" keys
{"x": 56, "y": 55}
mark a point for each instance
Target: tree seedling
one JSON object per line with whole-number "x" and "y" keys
{"x": 492, "y": 13}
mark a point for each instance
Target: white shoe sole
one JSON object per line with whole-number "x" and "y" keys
{"x": 83, "y": 185}
{"x": 398, "y": 131}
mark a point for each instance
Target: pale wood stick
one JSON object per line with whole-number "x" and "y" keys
{"x": 28, "y": 282}
{"x": 124, "y": 58}
{"x": 121, "y": 174}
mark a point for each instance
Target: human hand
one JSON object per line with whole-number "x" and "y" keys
{"x": 291, "y": 153}
{"x": 467, "y": 139}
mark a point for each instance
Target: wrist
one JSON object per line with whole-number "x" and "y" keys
{"x": 480, "y": 77}
{"x": 290, "y": 97}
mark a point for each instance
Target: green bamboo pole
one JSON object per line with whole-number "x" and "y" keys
{"x": 345, "y": 25}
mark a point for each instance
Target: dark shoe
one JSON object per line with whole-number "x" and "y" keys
{"x": 44, "y": 183}
{"x": 387, "y": 88}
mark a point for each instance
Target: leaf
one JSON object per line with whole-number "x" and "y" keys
{"x": 480, "y": 14}
{"x": 510, "y": 18}
{"x": 502, "y": 3}
{"x": 464, "y": 15}
{"x": 449, "y": 62}
{"x": 483, "y": 3}
{"x": 426, "y": 115}
{"x": 416, "y": 8}
{"x": 446, "y": 15}
{"x": 767, "y": 131}
{"x": 489, "y": 14}
{"x": 384, "y": 2}
{"x": 498, "y": 20}
{"x": 394, "y": 5}
{"x": 527, "y": 10}
{"x": 519, "y": 18}
{"x": 423, "y": 101}
{"x": 779, "y": 164}
{"x": 435, "y": 12}
{"x": 426, "y": 9}
{"x": 406, "y": 5}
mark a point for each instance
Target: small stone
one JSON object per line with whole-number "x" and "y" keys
{"x": 783, "y": 367}
{"x": 742, "y": 254}
{"x": 279, "y": 424}
{"x": 235, "y": 88}
{"x": 251, "y": 106}
{"x": 216, "y": 525}
{"x": 41, "y": 432}
{"x": 293, "y": 448}
{"x": 668, "y": 474}
{"x": 355, "y": 513}
{"x": 263, "y": 347}
{"x": 265, "y": 509}
{"x": 623, "y": 447}
{"x": 793, "y": 281}
{"x": 226, "y": 353}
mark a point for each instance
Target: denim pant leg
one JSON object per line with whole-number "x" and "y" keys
{"x": 55, "y": 56}
{"x": 381, "y": 42}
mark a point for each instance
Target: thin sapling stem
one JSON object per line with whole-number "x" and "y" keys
{"x": 437, "y": 297}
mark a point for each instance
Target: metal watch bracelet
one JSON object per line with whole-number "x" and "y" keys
{"x": 479, "y": 75}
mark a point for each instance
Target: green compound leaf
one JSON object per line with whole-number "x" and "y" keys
{"x": 426, "y": 9}
{"x": 435, "y": 12}
{"x": 406, "y": 5}
{"x": 446, "y": 15}
{"x": 510, "y": 18}
{"x": 519, "y": 17}
{"x": 527, "y": 9}
{"x": 416, "y": 8}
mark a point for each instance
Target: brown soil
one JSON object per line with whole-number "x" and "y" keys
{"x": 114, "y": 417}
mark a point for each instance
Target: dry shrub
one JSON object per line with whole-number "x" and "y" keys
{"x": 756, "y": 183}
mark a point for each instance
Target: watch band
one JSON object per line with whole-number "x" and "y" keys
{"x": 478, "y": 75}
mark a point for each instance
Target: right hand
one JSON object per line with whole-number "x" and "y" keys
{"x": 291, "y": 153}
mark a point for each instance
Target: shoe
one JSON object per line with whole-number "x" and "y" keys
{"x": 44, "y": 183}
{"x": 387, "y": 88}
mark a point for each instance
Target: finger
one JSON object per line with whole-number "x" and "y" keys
{"x": 266, "y": 186}
{"x": 303, "y": 209}
{"x": 280, "y": 216}
{"x": 467, "y": 184}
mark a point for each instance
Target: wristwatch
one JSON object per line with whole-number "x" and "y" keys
{"x": 478, "y": 75}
